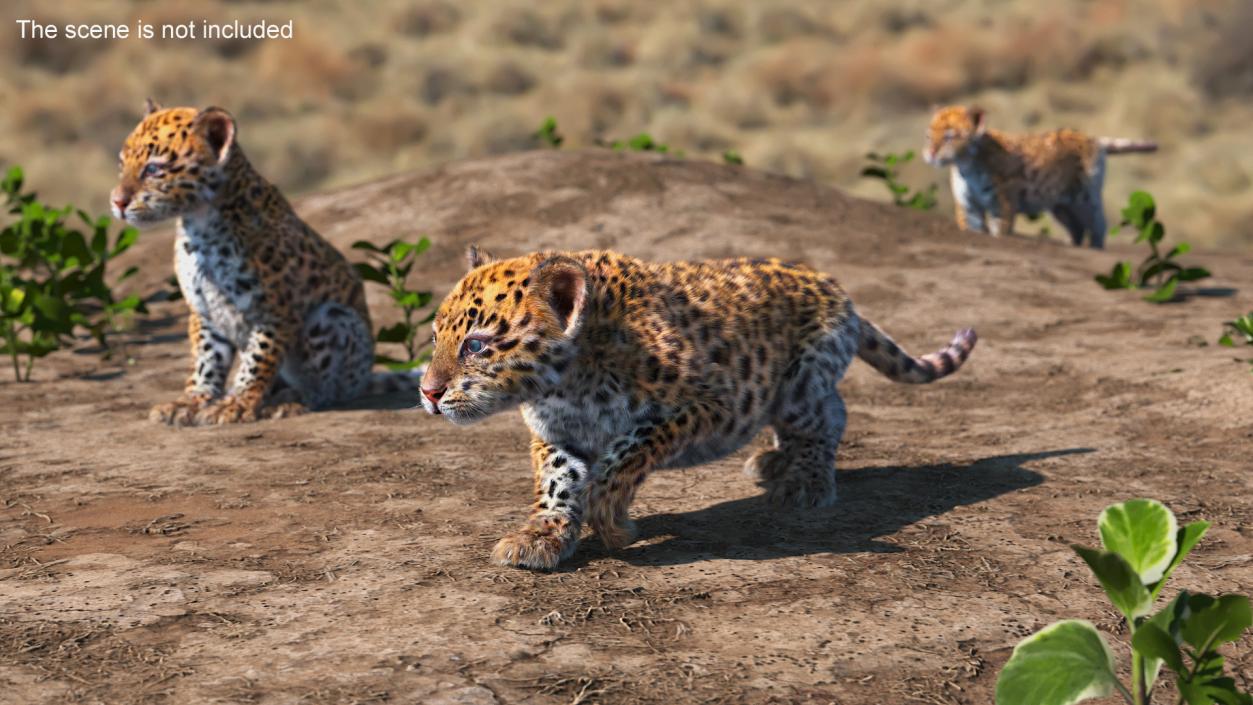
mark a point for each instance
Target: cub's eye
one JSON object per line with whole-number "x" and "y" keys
{"x": 949, "y": 134}
{"x": 151, "y": 169}
{"x": 473, "y": 346}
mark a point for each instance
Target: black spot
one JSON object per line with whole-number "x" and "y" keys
{"x": 559, "y": 462}
{"x": 507, "y": 345}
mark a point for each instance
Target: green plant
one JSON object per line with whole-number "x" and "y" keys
{"x": 885, "y": 168}
{"x": 547, "y": 133}
{"x": 1158, "y": 271}
{"x": 731, "y": 156}
{"x": 1069, "y": 661}
{"x": 644, "y": 142}
{"x": 53, "y": 277}
{"x": 389, "y": 266}
{"x": 1240, "y": 329}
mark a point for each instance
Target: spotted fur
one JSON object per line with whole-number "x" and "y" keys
{"x": 622, "y": 367}
{"x": 261, "y": 284}
{"x": 997, "y": 175}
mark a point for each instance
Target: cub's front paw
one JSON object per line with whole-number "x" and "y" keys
{"x": 227, "y": 410}
{"x": 180, "y": 412}
{"x": 540, "y": 545}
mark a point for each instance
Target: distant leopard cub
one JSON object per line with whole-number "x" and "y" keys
{"x": 623, "y": 367}
{"x": 997, "y": 175}
{"x": 258, "y": 280}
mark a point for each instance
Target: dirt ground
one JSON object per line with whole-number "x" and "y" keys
{"x": 342, "y": 557}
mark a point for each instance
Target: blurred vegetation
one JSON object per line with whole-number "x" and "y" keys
{"x": 886, "y": 169}
{"x": 390, "y": 266}
{"x": 797, "y": 87}
{"x": 54, "y": 278}
{"x": 1159, "y": 270}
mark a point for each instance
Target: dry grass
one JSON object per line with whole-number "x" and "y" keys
{"x": 799, "y": 86}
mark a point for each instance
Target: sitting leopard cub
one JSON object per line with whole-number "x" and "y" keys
{"x": 258, "y": 280}
{"x": 996, "y": 175}
{"x": 622, "y": 367}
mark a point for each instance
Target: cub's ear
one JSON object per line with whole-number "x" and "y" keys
{"x": 977, "y": 117}
{"x": 561, "y": 283}
{"x": 217, "y": 128}
{"x": 476, "y": 257}
{"x": 151, "y": 106}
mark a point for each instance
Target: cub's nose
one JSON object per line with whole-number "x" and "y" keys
{"x": 120, "y": 202}
{"x": 433, "y": 396}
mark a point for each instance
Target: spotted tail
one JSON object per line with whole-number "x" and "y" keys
{"x": 1122, "y": 145}
{"x": 395, "y": 382}
{"x": 883, "y": 354}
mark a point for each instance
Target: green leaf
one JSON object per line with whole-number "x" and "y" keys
{"x": 403, "y": 365}
{"x": 125, "y": 239}
{"x": 876, "y": 172}
{"x": 1226, "y": 340}
{"x": 1119, "y": 579}
{"x": 51, "y": 307}
{"x": 1208, "y": 684}
{"x": 370, "y": 273}
{"x": 400, "y": 251}
{"x": 1167, "y": 621}
{"x": 393, "y": 334}
{"x": 1181, "y": 249}
{"x": 1064, "y": 663}
{"x": 1185, "y": 540}
{"x": 1143, "y": 532}
{"x": 1191, "y": 274}
{"x": 1153, "y": 641}
{"x": 1119, "y": 277}
{"x": 1211, "y": 622}
{"x": 1151, "y": 232}
{"x": 74, "y": 248}
{"x": 1140, "y": 208}
{"x": 423, "y": 245}
{"x": 733, "y": 157}
{"x": 1164, "y": 293}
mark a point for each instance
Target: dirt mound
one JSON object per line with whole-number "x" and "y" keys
{"x": 341, "y": 557}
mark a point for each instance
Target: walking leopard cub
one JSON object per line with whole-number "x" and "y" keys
{"x": 622, "y": 367}
{"x": 261, "y": 284}
{"x": 996, "y": 175}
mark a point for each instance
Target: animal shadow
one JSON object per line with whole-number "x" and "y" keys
{"x": 873, "y": 502}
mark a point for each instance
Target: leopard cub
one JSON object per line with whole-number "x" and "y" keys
{"x": 262, "y": 286}
{"x": 997, "y": 175}
{"x": 623, "y": 367}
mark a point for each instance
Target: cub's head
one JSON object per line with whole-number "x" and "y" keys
{"x": 952, "y": 130}
{"x": 172, "y": 163}
{"x": 504, "y": 335}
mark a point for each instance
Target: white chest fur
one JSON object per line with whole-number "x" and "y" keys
{"x": 216, "y": 279}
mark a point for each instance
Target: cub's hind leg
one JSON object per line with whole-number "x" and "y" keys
{"x": 808, "y": 424}
{"x": 332, "y": 360}
{"x": 1073, "y": 223}
{"x": 800, "y": 470}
